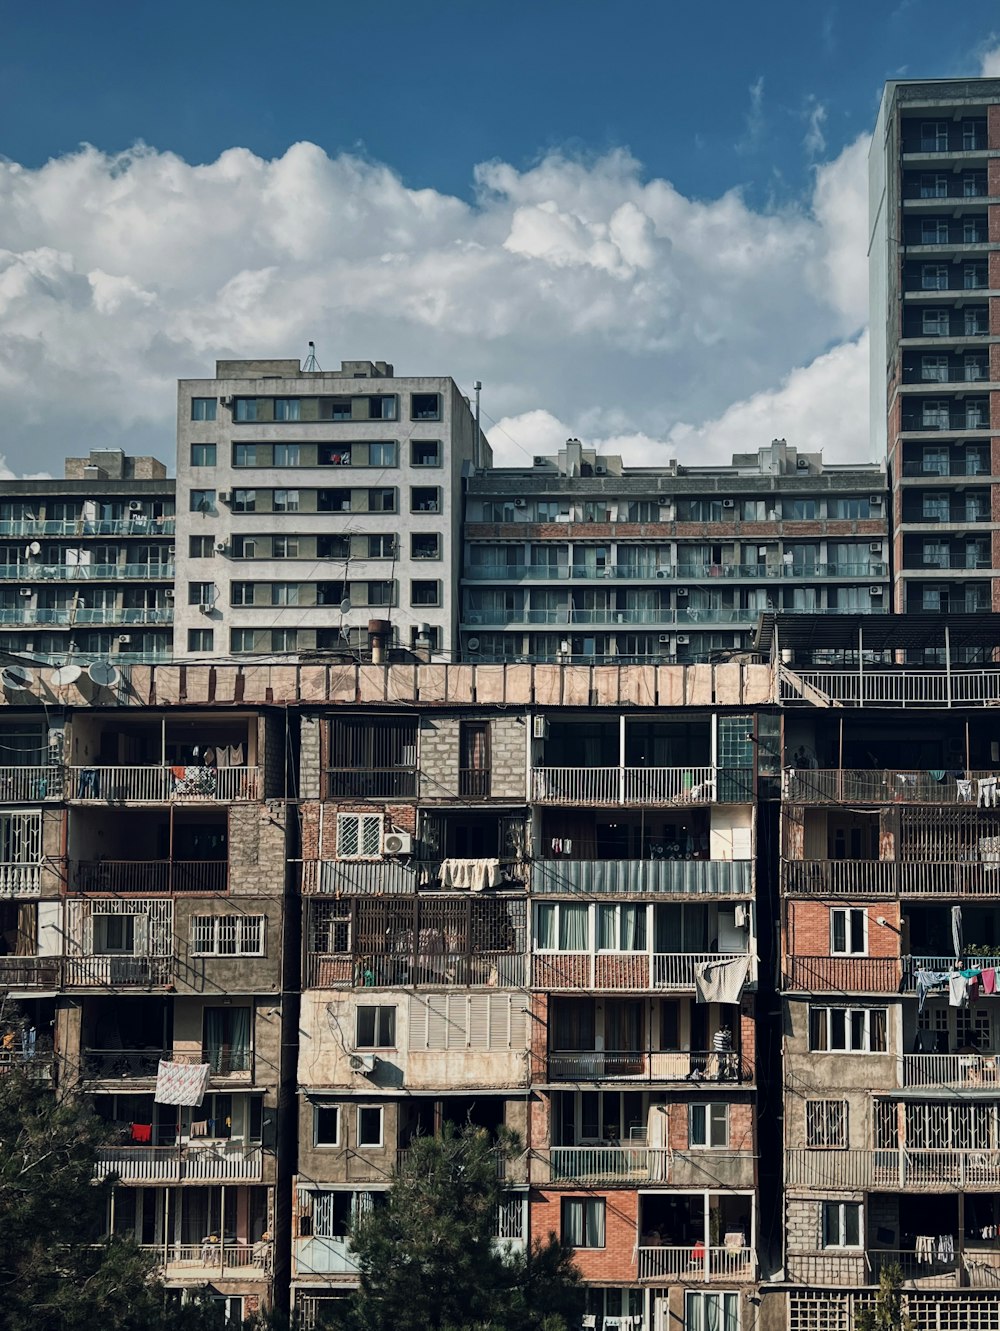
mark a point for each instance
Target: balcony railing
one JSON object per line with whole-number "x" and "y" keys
{"x": 30, "y": 972}
{"x": 474, "y": 783}
{"x": 641, "y": 785}
{"x": 886, "y": 878}
{"x": 83, "y": 572}
{"x": 607, "y": 1065}
{"x": 914, "y": 963}
{"x": 660, "y": 876}
{"x": 661, "y": 572}
{"x": 134, "y": 525}
{"x": 893, "y": 1169}
{"x": 217, "y": 1162}
{"x": 150, "y": 876}
{"x": 843, "y": 975}
{"x": 20, "y": 880}
{"x": 697, "y": 1263}
{"x": 160, "y": 784}
{"x": 115, "y": 971}
{"x": 30, "y": 785}
{"x": 607, "y": 1165}
{"x": 325, "y": 970}
{"x": 620, "y": 970}
{"x": 372, "y": 783}
{"x": 963, "y": 1071}
{"x": 891, "y": 688}
{"x": 880, "y": 786}
{"x": 390, "y": 876}
{"x": 108, "y": 614}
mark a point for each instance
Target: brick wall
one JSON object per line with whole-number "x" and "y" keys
{"x": 440, "y": 756}
{"x": 613, "y": 1264}
{"x": 808, "y": 928}
{"x": 257, "y": 848}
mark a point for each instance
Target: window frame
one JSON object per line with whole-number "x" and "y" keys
{"x": 383, "y": 1013}
{"x": 839, "y": 1211}
{"x": 318, "y": 1112}
{"x": 201, "y": 547}
{"x": 825, "y": 1011}
{"x": 425, "y": 415}
{"x": 849, "y": 914}
{"x": 826, "y": 1125}
{"x": 584, "y": 1203}
{"x": 426, "y": 443}
{"x": 361, "y": 819}
{"x": 193, "y": 646}
{"x": 201, "y": 501}
{"x": 715, "y": 1116}
{"x": 425, "y": 536}
{"x": 435, "y": 584}
{"x": 200, "y": 408}
{"x": 370, "y": 1145}
{"x": 209, "y": 450}
{"x": 243, "y": 927}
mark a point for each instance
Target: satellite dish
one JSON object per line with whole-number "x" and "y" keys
{"x": 16, "y": 677}
{"x": 103, "y": 674}
{"x": 65, "y": 674}
{"x": 34, "y": 548}
{"x": 345, "y": 606}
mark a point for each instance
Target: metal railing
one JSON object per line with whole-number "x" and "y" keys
{"x": 978, "y": 1071}
{"x": 894, "y": 1168}
{"x": 136, "y": 525}
{"x": 607, "y": 1165}
{"x": 149, "y": 876}
{"x": 160, "y": 784}
{"x": 932, "y": 1268}
{"x": 218, "y": 1162}
{"x": 83, "y": 572}
{"x": 114, "y": 971}
{"x": 474, "y": 783}
{"x": 31, "y": 785}
{"x": 372, "y": 783}
{"x": 887, "y": 878}
{"x": 845, "y": 975}
{"x": 325, "y": 970}
{"x": 624, "y": 785}
{"x": 665, "y": 877}
{"x": 847, "y": 785}
{"x": 250, "y": 1260}
{"x": 913, "y": 963}
{"x": 648, "y": 1065}
{"x": 874, "y": 687}
{"x": 30, "y": 972}
{"x": 695, "y": 1262}
{"x": 620, "y": 970}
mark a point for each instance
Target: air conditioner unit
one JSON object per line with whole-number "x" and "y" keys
{"x": 225, "y": 401}
{"x": 364, "y": 1063}
{"x": 124, "y": 639}
{"x": 169, "y": 594}
{"x": 473, "y": 617}
{"x": 539, "y": 727}
{"x": 135, "y": 505}
{"x": 664, "y": 499}
{"x": 472, "y": 644}
{"x": 875, "y": 548}
{"x": 25, "y": 591}
{"x": 875, "y": 501}
{"x": 802, "y": 464}
{"x": 600, "y": 471}
{"x": 874, "y": 591}
{"x": 520, "y": 503}
{"x": 729, "y": 503}
{"x": 539, "y": 462}
{"x": 221, "y": 547}
{"x": 663, "y": 573}
{"x": 205, "y": 607}
{"x": 397, "y": 843}
{"x": 681, "y": 593}
{"x": 225, "y": 497}
{"x": 664, "y": 638}
{"x": 683, "y": 639}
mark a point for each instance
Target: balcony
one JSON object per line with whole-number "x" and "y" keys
{"x": 888, "y": 878}
{"x": 387, "y": 877}
{"x": 605, "y": 1065}
{"x": 589, "y": 1166}
{"x": 132, "y": 876}
{"x": 914, "y": 963}
{"x": 202, "y": 1263}
{"x": 118, "y": 972}
{"x": 889, "y": 688}
{"x": 30, "y": 972}
{"x": 30, "y": 615}
{"x": 161, "y": 785}
{"x": 966, "y": 1072}
{"x": 136, "y": 524}
{"x": 698, "y": 1263}
{"x": 648, "y": 786}
{"x": 31, "y": 785}
{"x": 880, "y": 786}
{"x": 894, "y": 1169}
{"x": 502, "y": 970}
{"x": 84, "y": 572}
{"x": 660, "y": 877}
{"x": 386, "y": 783}
{"x": 141, "y": 1065}
{"x": 20, "y": 880}
{"x": 216, "y": 1162}
{"x": 639, "y": 971}
{"x": 844, "y": 975}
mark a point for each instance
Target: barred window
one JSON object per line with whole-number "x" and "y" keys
{"x": 227, "y": 935}
{"x": 359, "y": 836}
{"x": 826, "y": 1123}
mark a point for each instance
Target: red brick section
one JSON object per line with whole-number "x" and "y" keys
{"x": 995, "y": 362}
{"x": 403, "y": 817}
{"x": 993, "y": 269}
{"x": 740, "y": 1124}
{"x": 748, "y": 1035}
{"x": 613, "y": 1264}
{"x": 807, "y": 930}
{"x": 993, "y": 131}
{"x": 993, "y": 222}
{"x": 538, "y": 1039}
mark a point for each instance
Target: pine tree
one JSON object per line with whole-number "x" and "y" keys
{"x": 887, "y": 1313}
{"x": 428, "y": 1258}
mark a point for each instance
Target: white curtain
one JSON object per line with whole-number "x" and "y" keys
{"x": 573, "y": 930}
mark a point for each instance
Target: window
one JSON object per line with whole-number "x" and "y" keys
{"x": 227, "y": 935}
{"x": 562, "y": 927}
{"x": 333, "y": 547}
{"x": 241, "y": 593}
{"x": 754, "y": 510}
{"x": 425, "y": 453}
{"x": 380, "y": 593}
{"x": 369, "y": 1125}
{"x": 383, "y": 455}
{"x": 287, "y": 409}
{"x": 474, "y": 759}
{"x": 285, "y": 547}
{"x": 201, "y": 640}
{"x": 933, "y": 186}
{"x": 621, "y": 928}
{"x": 934, "y": 136}
{"x": 850, "y": 506}
{"x": 425, "y": 593}
{"x": 973, "y": 135}
{"x": 244, "y": 501}
{"x": 801, "y": 510}
{"x": 935, "y": 413}
{"x": 382, "y": 409}
{"x": 285, "y": 501}
{"x": 331, "y": 455}
{"x": 425, "y": 499}
{"x": 287, "y": 455}
{"x": 201, "y": 593}
{"x": 974, "y": 276}
{"x": 284, "y": 593}
{"x": 643, "y": 510}
{"x": 382, "y": 501}
{"x": 244, "y": 640}
{"x": 334, "y": 409}
{"x": 359, "y": 836}
{"x": 201, "y": 501}
{"x": 826, "y": 1124}
{"x": 284, "y": 640}
{"x": 326, "y": 1125}
{"x": 583, "y": 1222}
{"x": 843, "y": 1030}
{"x": 934, "y": 369}
{"x": 227, "y": 1032}
{"x": 202, "y": 455}
{"x": 934, "y": 231}
{"x": 244, "y": 455}
{"x": 425, "y": 407}
{"x": 201, "y": 547}
{"x": 376, "y": 1028}
{"x": 935, "y": 323}
{"x": 245, "y": 409}
{"x": 117, "y": 934}
{"x": 708, "y": 1124}
{"x": 974, "y": 232}
{"x": 711, "y": 1311}
{"x": 934, "y": 277}
{"x": 841, "y": 1224}
{"x": 382, "y": 547}
{"x": 243, "y": 547}
{"x": 203, "y": 408}
{"x": 425, "y": 545}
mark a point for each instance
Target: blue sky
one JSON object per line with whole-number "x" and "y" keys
{"x": 590, "y": 206}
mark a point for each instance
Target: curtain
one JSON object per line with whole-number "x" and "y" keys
{"x": 606, "y": 931}
{"x": 241, "y": 1039}
{"x": 214, "y": 1036}
{"x": 633, "y": 931}
{"x": 573, "y": 1223}
{"x": 545, "y": 927}
{"x": 595, "y": 1222}
{"x": 573, "y": 930}
{"x": 26, "y": 944}
{"x": 574, "y": 1025}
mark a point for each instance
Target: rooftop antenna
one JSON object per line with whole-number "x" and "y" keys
{"x": 311, "y": 365}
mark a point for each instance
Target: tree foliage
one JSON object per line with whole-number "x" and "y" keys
{"x": 428, "y": 1259}
{"x": 887, "y": 1313}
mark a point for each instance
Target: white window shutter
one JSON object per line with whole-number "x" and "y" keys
{"x": 479, "y": 1021}
{"x": 437, "y": 1021}
{"x": 458, "y": 1021}
{"x": 418, "y": 1023}
{"x": 518, "y": 1022}
{"x": 140, "y": 935}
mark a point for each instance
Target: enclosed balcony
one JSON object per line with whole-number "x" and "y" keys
{"x": 694, "y": 1238}
{"x": 372, "y": 758}
{"x": 178, "y": 849}
{"x": 123, "y": 1040}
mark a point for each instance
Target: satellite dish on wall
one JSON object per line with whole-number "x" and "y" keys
{"x": 34, "y": 548}
{"x": 345, "y": 606}
{"x": 65, "y": 674}
{"x": 16, "y": 677}
{"x": 103, "y": 674}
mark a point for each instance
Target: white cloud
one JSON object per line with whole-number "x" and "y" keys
{"x": 579, "y": 291}
{"x": 814, "y": 141}
{"x": 989, "y": 63}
